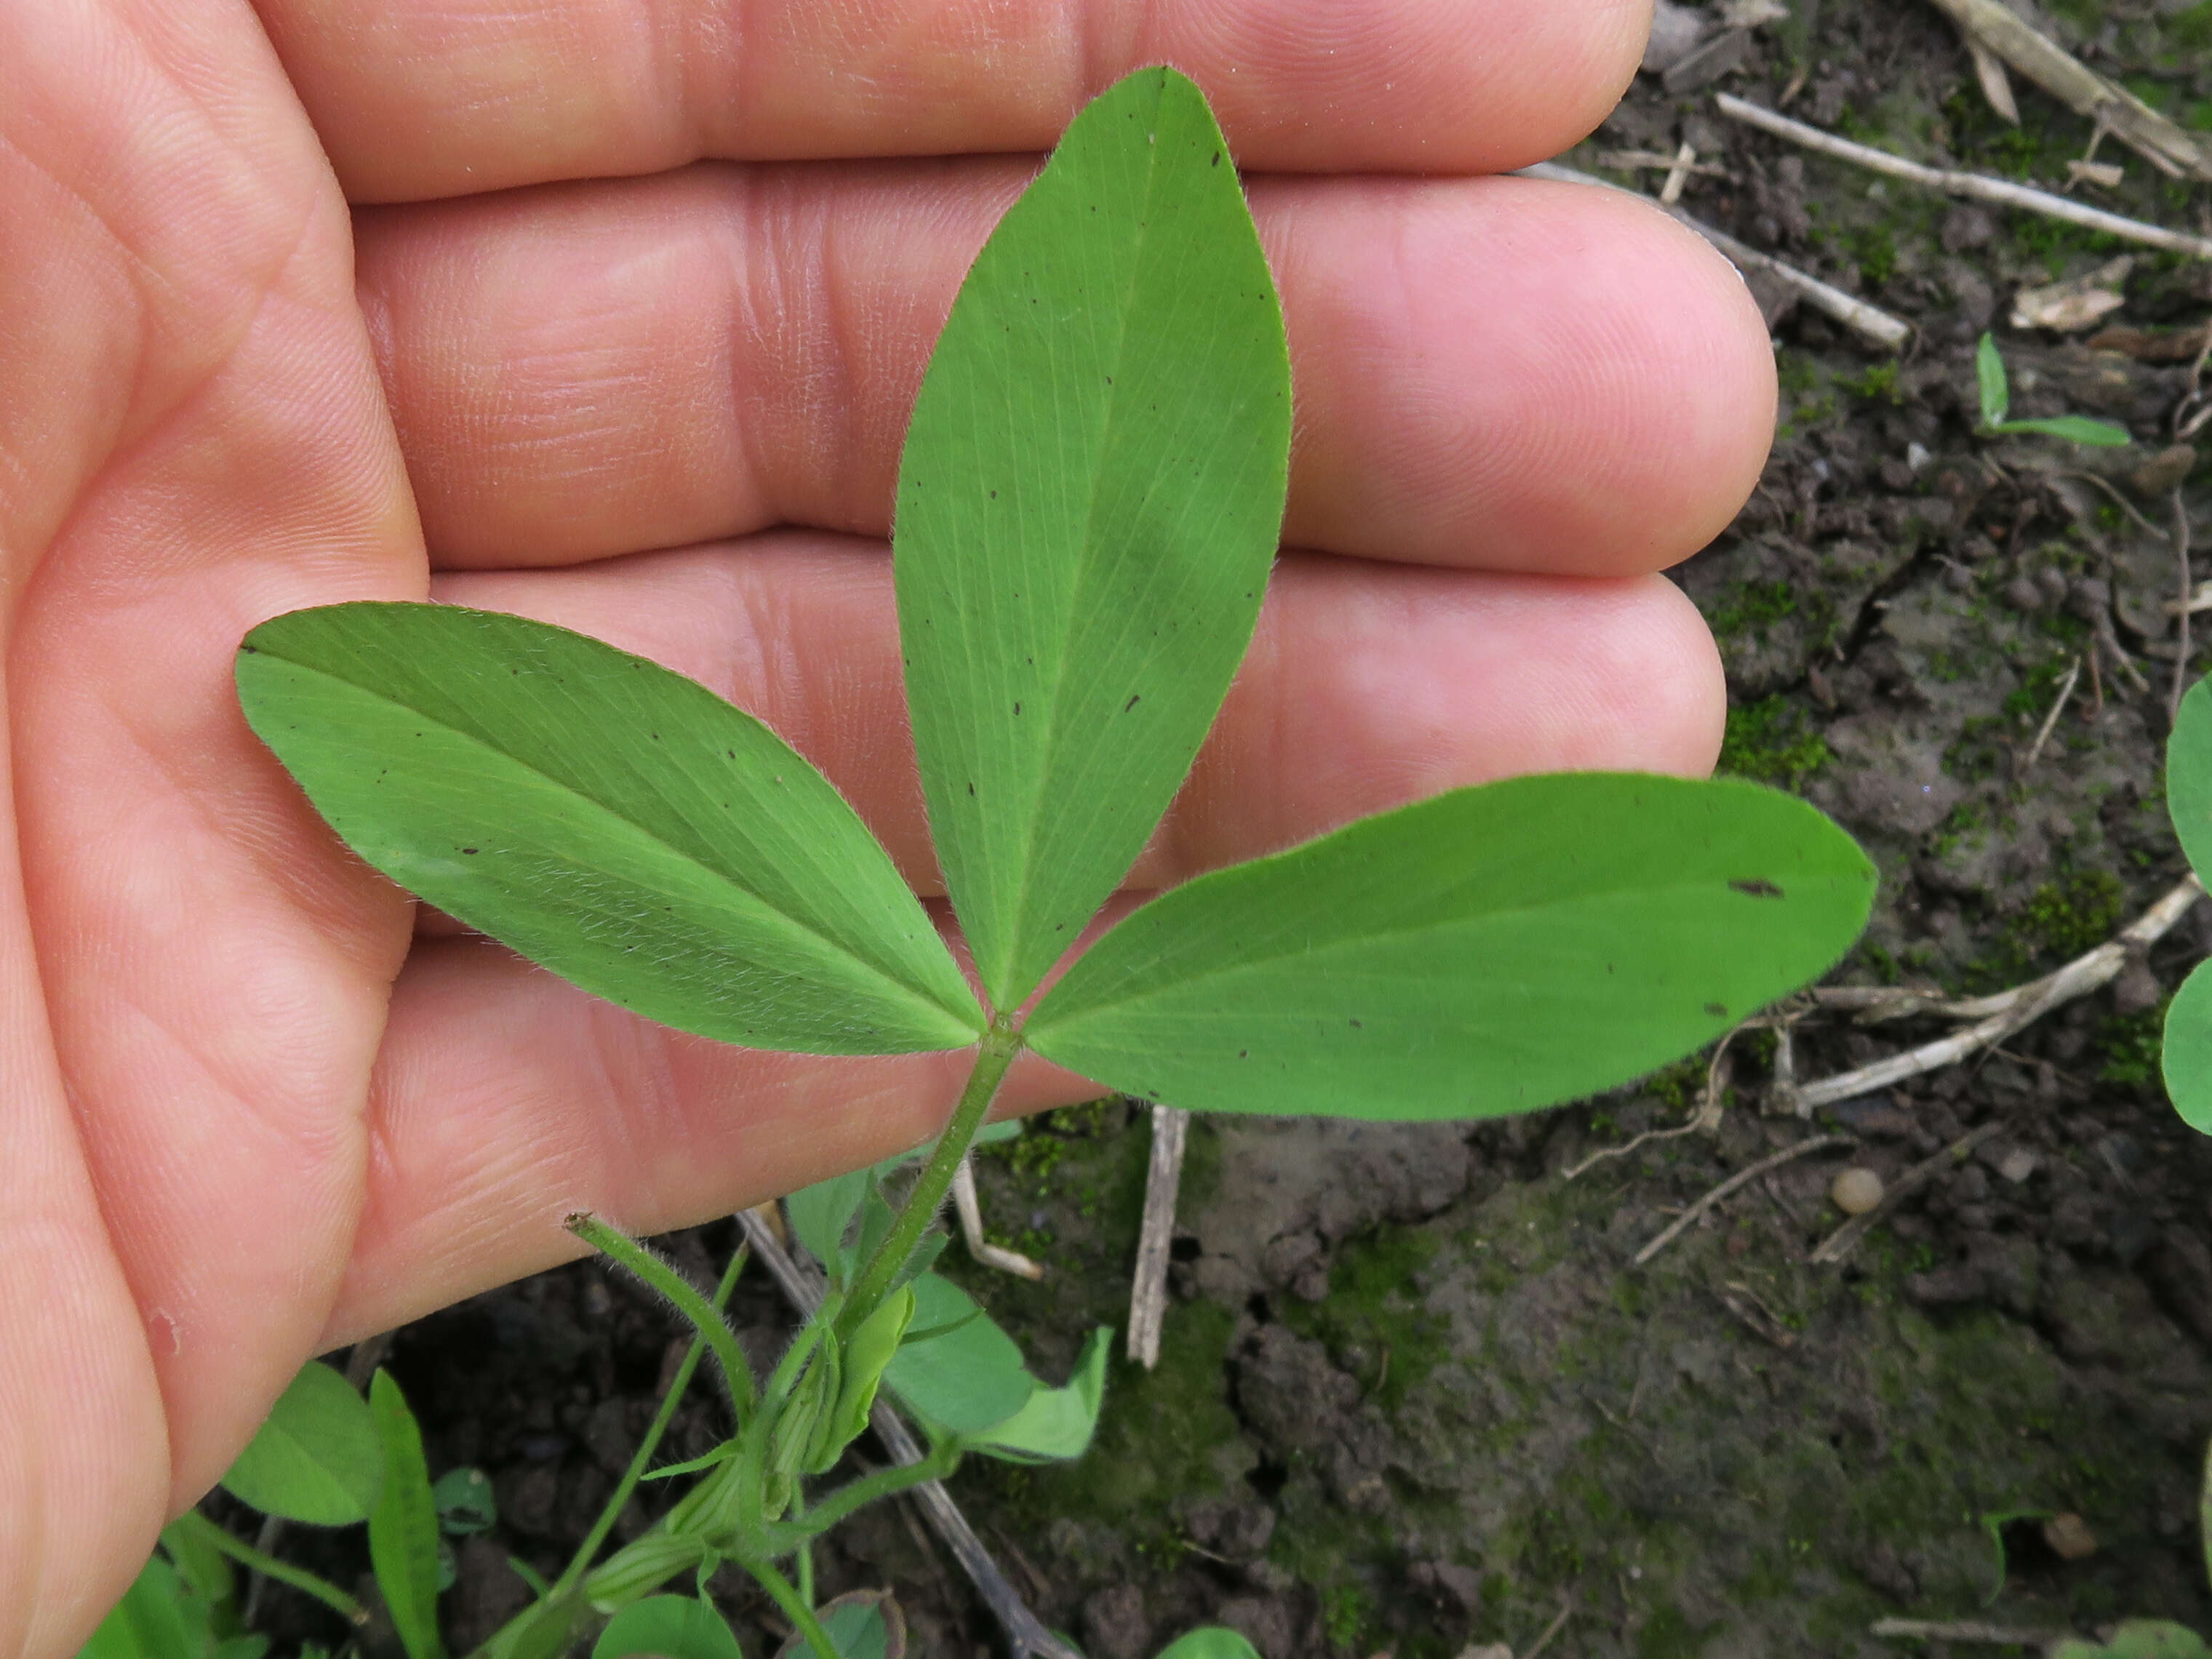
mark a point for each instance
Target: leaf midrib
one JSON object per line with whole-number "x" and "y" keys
{"x": 835, "y": 947}
{"x": 1042, "y": 1026}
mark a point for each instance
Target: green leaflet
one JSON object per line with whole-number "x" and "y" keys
{"x": 2189, "y": 776}
{"x": 2074, "y": 428}
{"x": 966, "y": 1378}
{"x": 2138, "y": 1639}
{"x": 860, "y": 1625}
{"x": 2185, "y": 1051}
{"x": 1088, "y": 505}
{"x": 2185, "y": 1055}
{"x": 1991, "y": 382}
{"x": 619, "y": 824}
{"x": 667, "y": 1627}
{"x": 1054, "y": 1424}
{"x": 1489, "y": 950}
{"x": 316, "y": 1459}
{"x": 403, "y": 1528}
{"x": 1211, "y": 1642}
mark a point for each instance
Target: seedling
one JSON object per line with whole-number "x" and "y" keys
{"x": 1996, "y": 403}
{"x": 1088, "y": 503}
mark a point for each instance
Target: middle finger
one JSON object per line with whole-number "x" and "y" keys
{"x": 1495, "y": 373}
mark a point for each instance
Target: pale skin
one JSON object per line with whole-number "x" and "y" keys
{"x": 269, "y": 339}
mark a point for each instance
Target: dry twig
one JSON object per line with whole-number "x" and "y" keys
{"x": 1705, "y": 1120}
{"x": 1845, "y": 1239}
{"x": 971, "y": 1228}
{"x": 1741, "y": 1178}
{"x": 2001, "y": 1015}
{"x": 1025, "y": 1632}
{"x": 1148, "y": 1286}
{"x": 1855, "y": 313}
{"x": 1996, "y": 27}
{"x": 1551, "y": 1629}
{"x": 1954, "y": 183}
{"x": 2051, "y": 720}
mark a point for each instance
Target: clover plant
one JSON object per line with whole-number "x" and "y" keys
{"x": 1088, "y": 507}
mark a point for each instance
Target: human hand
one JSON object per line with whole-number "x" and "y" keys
{"x": 252, "y": 1111}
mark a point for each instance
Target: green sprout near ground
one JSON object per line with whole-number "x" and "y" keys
{"x": 1996, "y": 387}
{"x": 1089, "y": 504}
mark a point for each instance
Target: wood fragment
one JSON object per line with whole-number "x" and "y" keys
{"x": 1026, "y": 1635}
{"x": 1148, "y": 1286}
{"x": 2003, "y": 31}
{"x": 1954, "y": 183}
{"x": 1995, "y": 84}
{"x": 1705, "y": 1120}
{"x": 2051, "y": 720}
{"x": 2001, "y": 1015}
{"x": 1557, "y": 1624}
{"x": 1966, "y": 1630}
{"x": 1735, "y": 1183}
{"x": 971, "y": 1228}
{"x": 1845, "y": 1239}
{"x": 1855, "y": 313}
{"x": 1677, "y": 174}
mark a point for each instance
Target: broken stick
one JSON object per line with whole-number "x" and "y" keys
{"x": 1845, "y": 1239}
{"x": 2001, "y": 1015}
{"x": 1148, "y": 1286}
{"x": 1997, "y": 29}
{"x": 1741, "y": 1178}
{"x": 1954, "y": 183}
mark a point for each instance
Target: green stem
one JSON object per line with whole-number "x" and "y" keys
{"x": 705, "y": 1317}
{"x": 806, "y": 1561}
{"x": 581, "y": 1562}
{"x": 855, "y": 1495}
{"x": 999, "y": 1046}
{"x": 269, "y": 1567}
{"x": 794, "y": 1608}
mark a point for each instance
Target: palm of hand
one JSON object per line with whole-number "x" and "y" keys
{"x": 251, "y": 1110}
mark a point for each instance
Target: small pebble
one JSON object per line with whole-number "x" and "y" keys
{"x": 2018, "y": 1164}
{"x": 2070, "y": 1537}
{"x": 1856, "y": 1191}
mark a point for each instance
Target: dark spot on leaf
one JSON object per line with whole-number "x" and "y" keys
{"x": 1357, "y": 1026}
{"x": 1716, "y": 1010}
{"x": 1132, "y": 703}
{"x": 1243, "y": 1054}
{"x": 1755, "y": 889}
{"x": 971, "y": 788}
{"x": 995, "y": 495}
{"x": 469, "y": 850}
{"x": 1217, "y": 159}
{"x": 1018, "y": 709}
{"x": 250, "y": 650}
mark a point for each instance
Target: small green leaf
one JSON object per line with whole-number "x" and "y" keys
{"x": 668, "y": 1627}
{"x": 1489, "y": 950}
{"x": 465, "y": 1503}
{"x": 969, "y": 1378}
{"x": 615, "y": 823}
{"x": 1089, "y": 503}
{"x": 316, "y": 1459}
{"x": 1054, "y": 1424}
{"x": 2185, "y": 1053}
{"x": 202, "y": 1569}
{"x": 2189, "y": 776}
{"x": 1211, "y": 1643}
{"x": 2138, "y": 1639}
{"x": 1990, "y": 375}
{"x": 860, "y": 1625}
{"x": 403, "y": 1528}
{"x": 867, "y": 1351}
{"x": 822, "y": 1213}
{"x": 157, "y": 1618}
{"x": 2074, "y": 428}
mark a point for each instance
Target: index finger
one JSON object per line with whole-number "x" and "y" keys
{"x": 415, "y": 99}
